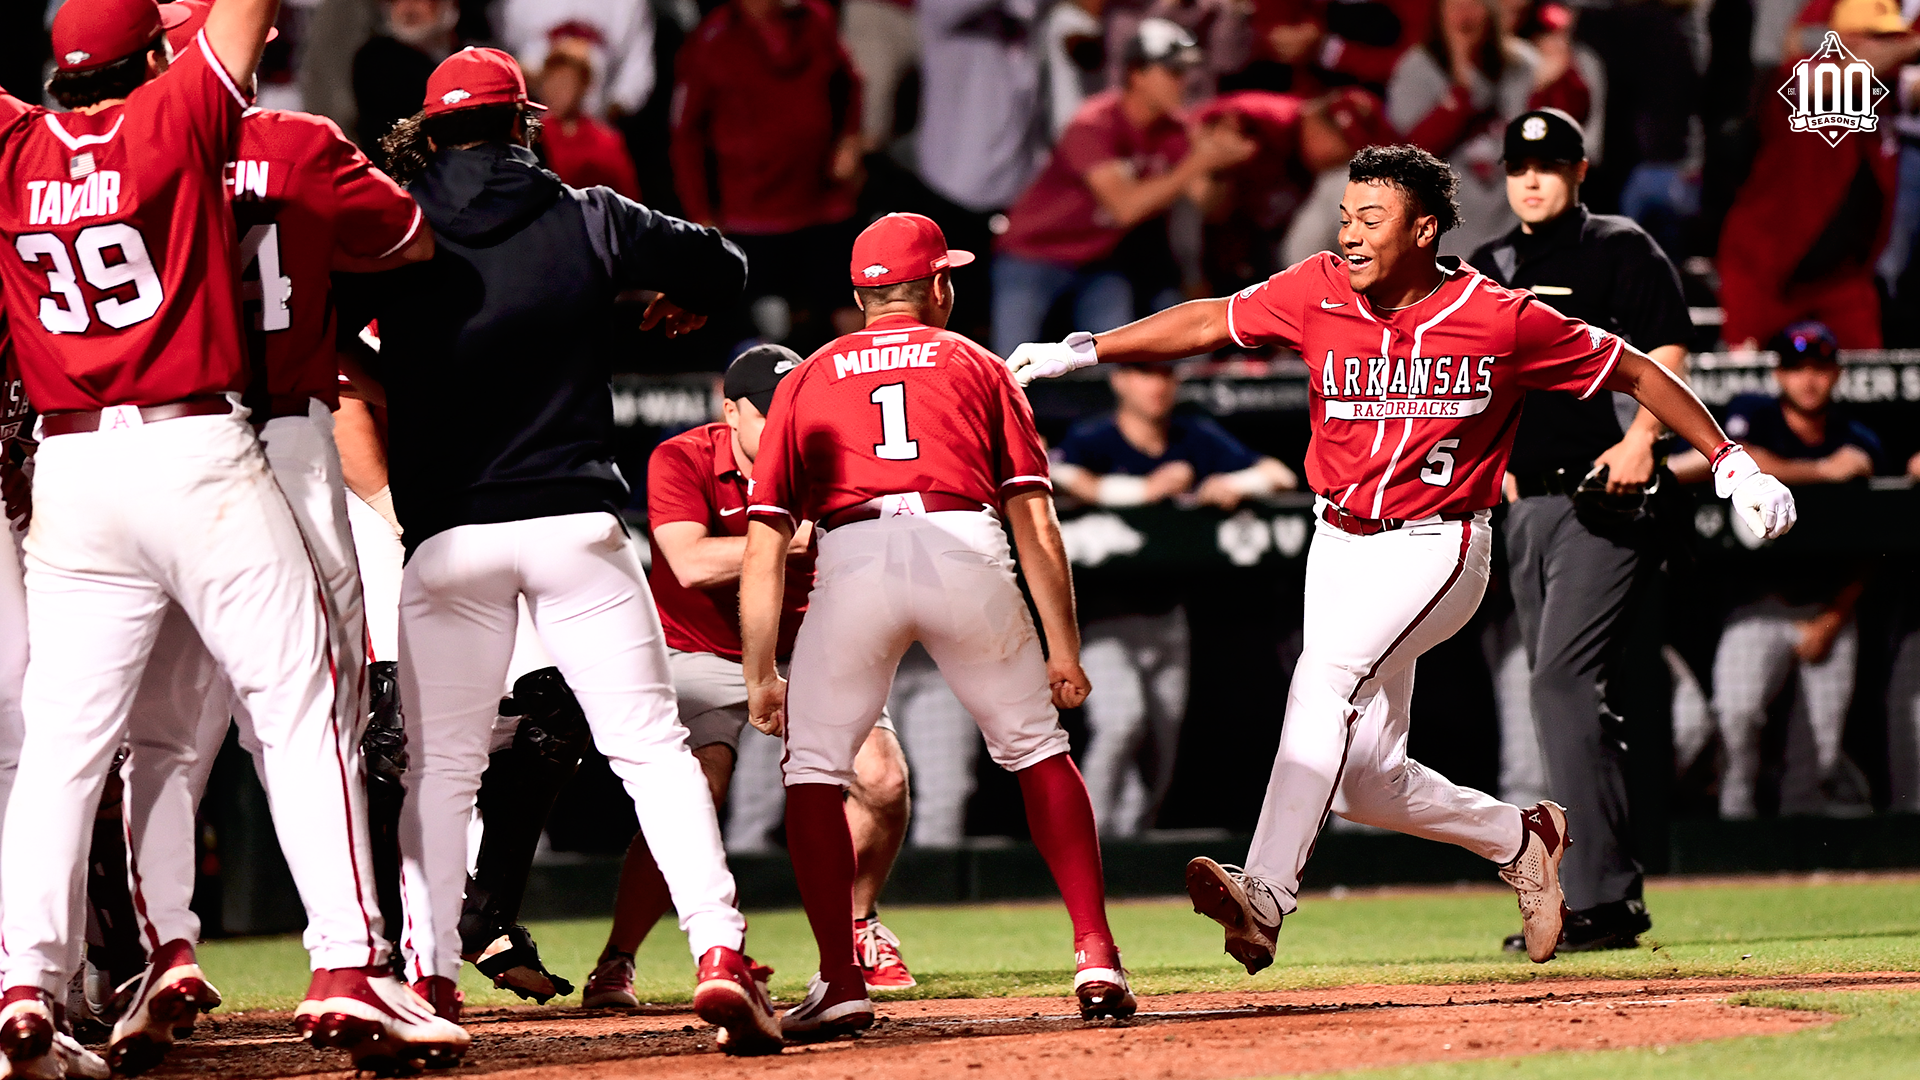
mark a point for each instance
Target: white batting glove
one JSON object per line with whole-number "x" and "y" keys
{"x": 1762, "y": 502}
{"x": 1051, "y": 359}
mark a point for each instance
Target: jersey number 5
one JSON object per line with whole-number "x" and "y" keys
{"x": 1439, "y": 471}
{"x": 894, "y": 444}
{"x": 66, "y": 311}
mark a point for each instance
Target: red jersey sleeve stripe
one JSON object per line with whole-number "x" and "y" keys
{"x": 411, "y": 230}
{"x": 1231, "y": 331}
{"x": 1043, "y": 481}
{"x": 769, "y": 509}
{"x": 219, "y": 69}
{"x": 1604, "y": 372}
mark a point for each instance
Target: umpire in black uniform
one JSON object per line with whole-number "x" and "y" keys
{"x": 1577, "y": 540}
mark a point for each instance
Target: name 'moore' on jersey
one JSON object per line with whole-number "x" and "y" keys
{"x": 302, "y": 193}
{"x": 118, "y": 268}
{"x": 897, "y": 408}
{"x": 1414, "y": 410}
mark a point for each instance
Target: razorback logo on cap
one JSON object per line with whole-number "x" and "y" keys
{"x": 453, "y": 97}
{"x": 78, "y": 56}
{"x": 874, "y": 271}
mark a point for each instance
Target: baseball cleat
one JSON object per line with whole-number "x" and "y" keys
{"x": 443, "y": 994}
{"x": 1100, "y": 984}
{"x": 512, "y": 961}
{"x": 732, "y": 996}
{"x": 611, "y": 984}
{"x": 878, "y": 953}
{"x": 828, "y": 1012}
{"x": 1246, "y": 906}
{"x": 379, "y": 1021}
{"x": 166, "y": 999}
{"x": 27, "y": 1030}
{"x": 1535, "y": 877}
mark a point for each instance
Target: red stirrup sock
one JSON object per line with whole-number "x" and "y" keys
{"x": 1061, "y": 818}
{"x": 822, "y": 850}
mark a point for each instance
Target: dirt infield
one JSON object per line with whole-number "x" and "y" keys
{"x": 1180, "y": 1036}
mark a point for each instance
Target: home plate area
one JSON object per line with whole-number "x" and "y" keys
{"x": 1200, "y": 1036}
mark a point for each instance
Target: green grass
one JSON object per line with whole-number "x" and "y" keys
{"x": 1763, "y": 928}
{"x": 1880, "y": 1037}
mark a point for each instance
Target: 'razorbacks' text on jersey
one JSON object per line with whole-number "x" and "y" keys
{"x": 1414, "y": 410}
{"x": 302, "y": 193}
{"x": 896, "y": 408}
{"x": 118, "y": 267}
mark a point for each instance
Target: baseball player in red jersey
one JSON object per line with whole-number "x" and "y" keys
{"x": 696, "y": 502}
{"x": 905, "y": 444}
{"x": 1417, "y": 369}
{"x": 151, "y": 488}
{"x": 305, "y": 201}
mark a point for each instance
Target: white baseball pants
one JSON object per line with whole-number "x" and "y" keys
{"x": 944, "y": 579}
{"x": 126, "y": 521}
{"x": 184, "y": 703}
{"x": 1373, "y": 605}
{"x": 382, "y": 558}
{"x": 13, "y": 658}
{"x": 588, "y": 601}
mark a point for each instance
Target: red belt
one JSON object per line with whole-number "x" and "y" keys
{"x": 81, "y": 420}
{"x": 289, "y": 405}
{"x": 870, "y": 510}
{"x": 1361, "y": 526}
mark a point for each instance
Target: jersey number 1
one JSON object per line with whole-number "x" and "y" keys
{"x": 894, "y": 444}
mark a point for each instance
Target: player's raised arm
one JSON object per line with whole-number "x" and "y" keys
{"x": 1189, "y": 329}
{"x": 1764, "y": 502}
{"x": 237, "y": 31}
{"x": 1043, "y": 558}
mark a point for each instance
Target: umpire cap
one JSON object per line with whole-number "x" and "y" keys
{"x": 755, "y": 373}
{"x": 1545, "y": 135}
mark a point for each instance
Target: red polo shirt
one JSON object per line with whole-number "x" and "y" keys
{"x": 694, "y": 477}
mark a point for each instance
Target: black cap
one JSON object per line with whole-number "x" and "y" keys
{"x": 1162, "y": 41}
{"x": 1545, "y": 135}
{"x": 1805, "y": 343}
{"x": 754, "y": 374}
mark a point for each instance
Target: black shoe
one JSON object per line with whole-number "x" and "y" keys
{"x": 1609, "y": 926}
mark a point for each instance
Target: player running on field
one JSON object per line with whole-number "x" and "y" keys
{"x": 1417, "y": 367}
{"x": 151, "y": 488}
{"x": 305, "y": 202}
{"x": 495, "y": 359}
{"x": 905, "y": 444}
{"x": 696, "y": 502}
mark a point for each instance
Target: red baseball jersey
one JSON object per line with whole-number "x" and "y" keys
{"x": 694, "y": 477}
{"x": 120, "y": 277}
{"x": 1414, "y": 410}
{"x": 896, "y": 408}
{"x": 302, "y": 193}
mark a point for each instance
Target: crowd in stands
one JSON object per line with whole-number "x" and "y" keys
{"x": 1115, "y": 156}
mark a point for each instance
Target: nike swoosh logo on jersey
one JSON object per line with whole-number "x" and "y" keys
{"x": 730, "y": 513}
{"x": 1325, "y": 305}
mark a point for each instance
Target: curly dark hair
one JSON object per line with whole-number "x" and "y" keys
{"x": 108, "y": 82}
{"x": 1421, "y": 177}
{"x": 408, "y": 153}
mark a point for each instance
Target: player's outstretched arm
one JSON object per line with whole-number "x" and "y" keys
{"x": 1189, "y": 329}
{"x": 1764, "y": 502}
{"x": 1043, "y": 558}
{"x": 763, "y": 582}
{"x": 237, "y": 31}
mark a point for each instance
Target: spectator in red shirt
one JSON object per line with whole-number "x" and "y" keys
{"x": 582, "y": 151}
{"x": 766, "y": 145}
{"x": 1304, "y": 46}
{"x": 1121, "y": 163}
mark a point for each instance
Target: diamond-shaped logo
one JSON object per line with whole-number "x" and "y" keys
{"x": 1833, "y": 93}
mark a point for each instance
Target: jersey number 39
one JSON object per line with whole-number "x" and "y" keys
{"x": 65, "y": 312}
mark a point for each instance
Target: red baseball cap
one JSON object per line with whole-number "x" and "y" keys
{"x": 94, "y": 33}
{"x": 476, "y": 76}
{"x": 902, "y": 247}
{"x": 182, "y": 35}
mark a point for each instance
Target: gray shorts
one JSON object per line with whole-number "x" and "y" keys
{"x": 713, "y": 698}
